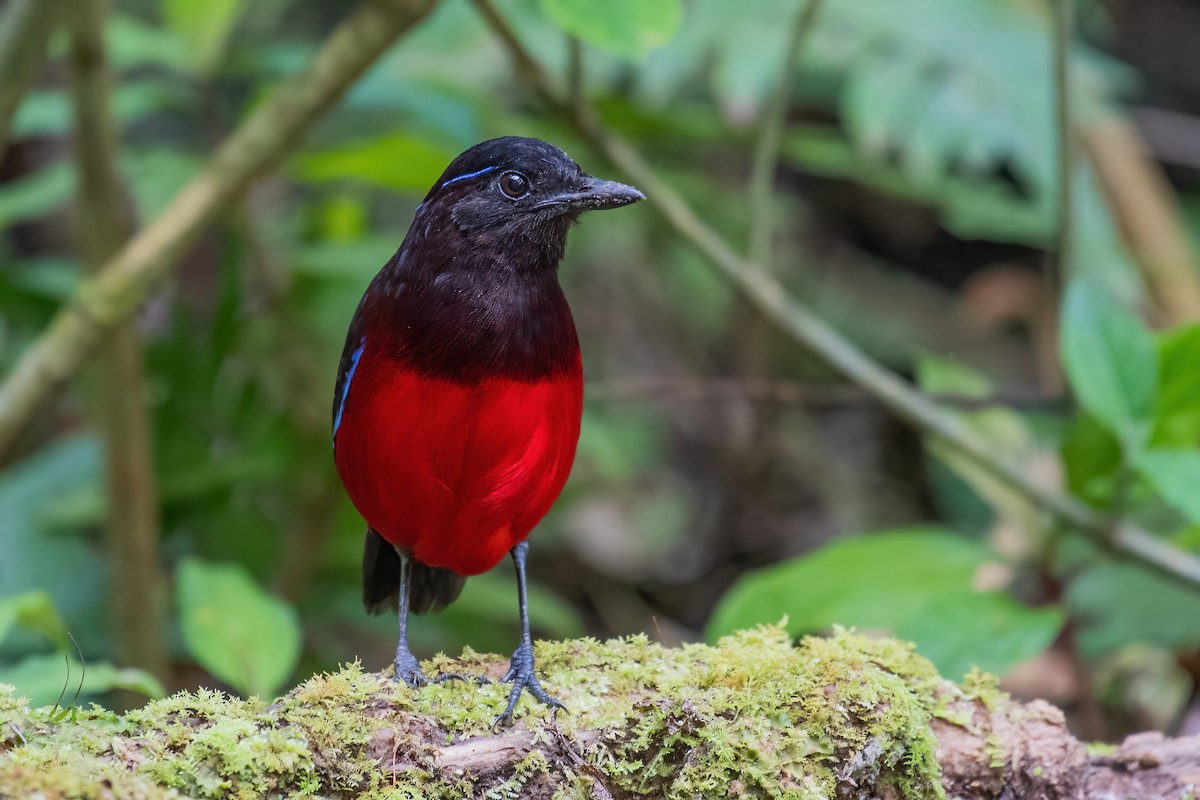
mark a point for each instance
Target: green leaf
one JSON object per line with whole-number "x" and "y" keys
{"x": 1175, "y": 475}
{"x": 234, "y": 629}
{"x": 877, "y": 96}
{"x": 390, "y": 162}
{"x": 627, "y": 28}
{"x": 34, "y": 611}
{"x": 916, "y": 583}
{"x": 1117, "y": 605}
{"x": 1177, "y": 412}
{"x": 1092, "y": 457}
{"x": 52, "y": 678}
{"x": 1092, "y": 453}
{"x": 1111, "y": 361}
{"x": 49, "y": 278}
{"x": 204, "y": 29}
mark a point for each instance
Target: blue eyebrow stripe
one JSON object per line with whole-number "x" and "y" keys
{"x": 337, "y": 421}
{"x": 469, "y": 175}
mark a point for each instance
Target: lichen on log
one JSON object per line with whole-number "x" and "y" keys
{"x": 755, "y": 716}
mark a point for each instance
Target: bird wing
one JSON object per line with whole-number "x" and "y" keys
{"x": 351, "y": 353}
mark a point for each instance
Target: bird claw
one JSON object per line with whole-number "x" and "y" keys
{"x": 522, "y": 676}
{"x": 408, "y": 670}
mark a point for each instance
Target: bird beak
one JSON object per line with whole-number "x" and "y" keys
{"x": 596, "y": 195}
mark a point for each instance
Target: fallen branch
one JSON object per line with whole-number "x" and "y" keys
{"x": 753, "y": 717}
{"x": 130, "y": 275}
{"x": 798, "y": 322}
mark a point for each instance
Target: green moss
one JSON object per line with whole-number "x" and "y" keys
{"x": 984, "y": 687}
{"x": 14, "y": 712}
{"x": 755, "y": 716}
{"x": 1101, "y": 749}
{"x": 994, "y": 747}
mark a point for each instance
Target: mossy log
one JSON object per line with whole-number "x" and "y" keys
{"x": 756, "y": 716}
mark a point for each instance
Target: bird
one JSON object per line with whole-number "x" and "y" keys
{"x": 459, "y": 394}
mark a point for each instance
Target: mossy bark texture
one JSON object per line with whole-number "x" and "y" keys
{"x": 756, "y": 716}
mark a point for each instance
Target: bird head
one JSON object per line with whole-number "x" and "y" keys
{"x": 519, "y": 187}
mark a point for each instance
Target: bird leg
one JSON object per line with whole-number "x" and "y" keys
{"x": 408, "y": 669}
{"x": 520, "y": 671}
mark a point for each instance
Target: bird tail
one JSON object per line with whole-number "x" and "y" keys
{"x": 430, "y": 588}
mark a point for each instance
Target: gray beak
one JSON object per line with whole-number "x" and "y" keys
{"x": 596, "y": 195}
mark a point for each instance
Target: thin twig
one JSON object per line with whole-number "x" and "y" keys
{"x": 804, "y": 327}
{"x": 574, "y": 71}
{"x": 809, "y": 394}
{"x": 1064, "y": 230}
{"x": 766, "y": 152}
{"x": 136, "y": 584}
{"x": 128, "y": 277}
{"x": 599, "y": 790}
{"x": 25, "y": 27}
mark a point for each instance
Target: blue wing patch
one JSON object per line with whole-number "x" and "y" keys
{"x": 337, "y": 421}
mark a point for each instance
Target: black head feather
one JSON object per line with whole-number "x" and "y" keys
{"x": 473, "y": 290}
{"x": 515, "y": 185}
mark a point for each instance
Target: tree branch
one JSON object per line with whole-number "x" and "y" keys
{"x": 769, "y": 296}
{"x": 130, "y": 275}
{"x": 755, "y": 716}
{"x": 25, "y": 27}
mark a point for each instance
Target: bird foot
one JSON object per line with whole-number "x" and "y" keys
{"x": 408, "y": 669}
{"x": 522, "y": 676}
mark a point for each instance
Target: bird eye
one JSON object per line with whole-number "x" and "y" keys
{"x": 514, "y": 185}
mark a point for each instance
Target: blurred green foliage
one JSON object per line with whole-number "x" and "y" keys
{"x": 626, "y": 28}
{"x": 58, "y": 677}
{"x": 931, "y": 599}
{"x": 920, "y": 150}
{"x": 237, "y": 632}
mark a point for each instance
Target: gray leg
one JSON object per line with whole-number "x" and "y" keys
{"x": 407, "y": 667}
{"x": 521, "y": 672}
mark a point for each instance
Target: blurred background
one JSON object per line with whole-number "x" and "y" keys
{"x": 171, "y": 516}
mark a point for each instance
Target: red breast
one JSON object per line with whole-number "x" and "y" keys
{"x": 455, "y": 472}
